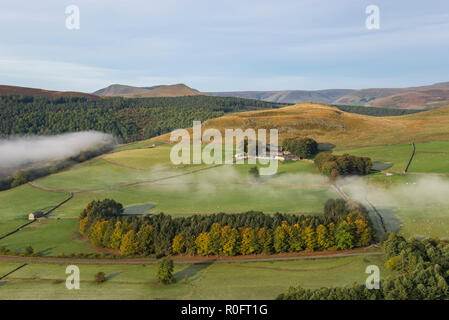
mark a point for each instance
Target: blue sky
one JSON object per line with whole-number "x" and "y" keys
{"x": 224, "y": 45}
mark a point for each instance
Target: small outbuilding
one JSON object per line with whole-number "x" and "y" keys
{"x": 35, "y": 215}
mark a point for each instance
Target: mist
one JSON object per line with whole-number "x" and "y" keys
{"x": 18, "y": 152}
{"x": 423, "y": 193}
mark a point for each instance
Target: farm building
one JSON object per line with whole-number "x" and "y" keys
{"x": 35, "y": 215}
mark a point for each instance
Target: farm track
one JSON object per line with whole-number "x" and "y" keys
{"x": 181, "y": 261}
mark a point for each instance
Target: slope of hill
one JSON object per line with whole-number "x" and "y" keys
{"x": 425, "y": 97}
{"x": 32, "y": 92}
{"x": 128, "y": 119}
{"x": 176, "y": 90}
{"x": 422, "y": 99}
{"x": 328, "y": 124}
{"x": 118, "y": 89}
{"x": 288, "y": 96}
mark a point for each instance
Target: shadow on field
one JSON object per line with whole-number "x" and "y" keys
{"x": 325, "y": 147}
{"x": 191, "y": 272}
{"x": 392, "y": 222}
{"x": 2, "y": 283}
{"x": 46, "y": 251}
{"x": 112, "y": 275}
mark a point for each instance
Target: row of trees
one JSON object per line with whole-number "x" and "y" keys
{"x": 222, "y": 234}
{"x": 354, "y": 231}
{"x": 305, "y": 148}
{"x": 424, "y": 275}
{"x": 129, "y": 119}
{"x": 335, "y": 165}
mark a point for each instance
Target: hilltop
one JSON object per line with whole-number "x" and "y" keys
{"x": 329, "y": 124}
{"x": 176, "y": 90}
{"x": 33, "y": 92}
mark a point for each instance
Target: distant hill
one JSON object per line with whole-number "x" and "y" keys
{"x": 176, "y": 90}
{"x": 288, "y": 96}
{"x": 24, "y": 91}
{"x": 118, "y": 89}
{"x": 424, "y": 97}
{"x": 328, "y": 124}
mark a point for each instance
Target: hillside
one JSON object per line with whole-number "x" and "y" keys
{"x": 328, "y": 124}
{"x": 128, "y": 119}
{"x": 32, "y": 92}
{"x": 118, "y": 89}
{"x": 288, "y": 96}
{"x": 424, "y": 97}
{"x": 176, "y": 90}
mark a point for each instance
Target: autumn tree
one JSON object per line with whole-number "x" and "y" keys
{"x": 178, "y": 245}
{"x": 129, "y": 245}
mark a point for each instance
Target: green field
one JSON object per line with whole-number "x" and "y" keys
{"x": 237, "y": 280}
{"x": 142, "y": 179}
{"x": 430, "y": 157}
{"x": 17, "y": 203}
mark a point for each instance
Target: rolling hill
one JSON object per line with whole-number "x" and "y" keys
{"x": 328, "y": 124}
{"x": 424, "y": 97}
{"x": 288, "y": 96}
{"x": 176, "y": 90}
{"x": 24, "y": 91}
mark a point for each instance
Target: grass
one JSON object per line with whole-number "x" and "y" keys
{"x": 17, "y": 203}
{"x": 252, "y": 280}
{"x": 430, "y": 157}
{"x": 49, "y": 237}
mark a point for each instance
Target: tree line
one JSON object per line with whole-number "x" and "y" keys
{"x": 335, "y": 165}
{"x": 128, "y": 119}
{"x": 105, "y": 225}
{"x": 423, "y": 267}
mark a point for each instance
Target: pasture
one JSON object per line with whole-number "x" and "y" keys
{"x": 430, "y": 157}
{"x": 144, "y": 181}
{"x": 237, "y": 280}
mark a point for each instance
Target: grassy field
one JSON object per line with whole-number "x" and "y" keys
{"x": 138, "y": 179}
{"x": 430, "y": 157}
{"x": 414, "y": 205}
{"x": 239, "y": 280}
{"x": 17, "y": 203}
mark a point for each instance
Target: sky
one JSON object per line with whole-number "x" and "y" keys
{"x": 224, "y": 45}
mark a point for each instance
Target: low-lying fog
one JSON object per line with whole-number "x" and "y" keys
{"x": 17, "y": 152}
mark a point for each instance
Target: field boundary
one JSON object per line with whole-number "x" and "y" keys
{"x": 16, "y": 269}
{"x": 32, "y": 221}
{"x": 411, "y": 158}
{"x": 180, "y": 261}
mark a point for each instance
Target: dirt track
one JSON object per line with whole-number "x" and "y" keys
{"x": 182, "y": 261}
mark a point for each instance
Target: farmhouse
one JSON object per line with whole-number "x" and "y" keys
{"x": 35, "y": 215}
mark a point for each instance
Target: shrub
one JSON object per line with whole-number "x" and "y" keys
{"x": 100, "y": 277}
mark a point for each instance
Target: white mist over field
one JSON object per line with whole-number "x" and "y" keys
{"x": 424, "y": 191}
{"x": 21, "y": 151}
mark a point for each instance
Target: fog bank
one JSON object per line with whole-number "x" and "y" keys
{"x": 24, "y": 151}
